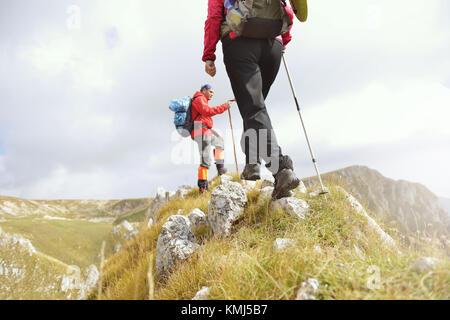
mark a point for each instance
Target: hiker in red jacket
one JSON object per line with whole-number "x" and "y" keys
{"x": 252, "y": 63}
{"x": 205, "y": 136}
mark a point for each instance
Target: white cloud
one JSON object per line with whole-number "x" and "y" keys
{"x": 62, "y": 183}
{"x": 382, "y": 112}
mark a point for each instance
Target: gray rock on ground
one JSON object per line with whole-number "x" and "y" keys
{"x": 225, "y": 207}
{"x": 225, "y": 178}
{"x": 266, "y": 183}
{"x": 198, "y": 220}
{"x": 292, "y": 206}
{"x": 117, "y": 247}
{"x": 176, "y": 242}
{"x": 301, "y": 188}
{"x": 248, "y": 184}
{"x": 423, "y": 264}
{"x": 160, "y": 199}
{"x": 280, "y": 244}
{"x": 265, "y": 194}
{"x": 308, "y": 289}
{"x": 202, "y": 294}
{"x": 183, "y": 191}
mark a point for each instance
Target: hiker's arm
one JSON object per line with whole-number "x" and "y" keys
{"x": 287, "y": 37}
{"x": 212, "y": 29}
{"x": 201, "y": 105}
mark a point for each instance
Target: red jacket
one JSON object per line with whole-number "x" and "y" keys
{"x": 212, "y": 28}
{"x": 202, "y": 112}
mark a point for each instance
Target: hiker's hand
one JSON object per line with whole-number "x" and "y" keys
{"x": 210, "y": 68}
{"x": 284, "y": 49}
{"x": 228, "y": 103}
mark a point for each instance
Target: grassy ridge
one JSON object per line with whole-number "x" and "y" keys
{"x": 333, "y": 244}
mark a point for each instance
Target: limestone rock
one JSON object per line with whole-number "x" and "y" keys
{"x": 265, "y": 194}
{"x": 176, "y": 242}
{"x": 281, "y": 244}
{"x": 225, "y": 207}
{"x": 198, "y": 220}
{"x": 266, "y": 183}
{"x": 248, "y": 184}
{"x": 225, "y": 178}
{"x": 91, "y": 277}
{"x": 318, "y": 249}
{"x": 301, "y": 188}
{"x": 292, "y": 206}
{"x": 372, "y": 223}
{"x": 183, "y": 191}
{"x": 308, "y": 289}
{"x": 424, "y": 264}
{"x": 202, "y": 294}
{"x": 117, "y": 247}
{"x": 160, "y": 199}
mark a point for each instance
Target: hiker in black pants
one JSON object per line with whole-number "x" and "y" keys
{"x": 252, "y": 65}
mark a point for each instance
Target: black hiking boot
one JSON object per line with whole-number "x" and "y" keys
{"x": 251, "y": 172}
{"x": 285, "y": 179}
{"x": 203, "y": 186}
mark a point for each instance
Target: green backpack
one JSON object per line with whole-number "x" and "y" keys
{"x": 260, "y": 19}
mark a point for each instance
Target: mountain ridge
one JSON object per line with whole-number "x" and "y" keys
{"x": 410, "y": 206}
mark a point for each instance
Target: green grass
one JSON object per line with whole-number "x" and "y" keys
{"x": 137, "y": 216}
{"x": 74, "y": 242}
{"x": 246, "y": 266}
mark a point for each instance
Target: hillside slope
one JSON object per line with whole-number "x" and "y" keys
{"x": 331, "y": 251}
{"x": 445, "y": 202}
{"x": 66, "y": 236}
{"x": 411, "y": 207}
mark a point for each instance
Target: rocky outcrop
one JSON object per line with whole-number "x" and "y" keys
{"x": 160, "y": 200}
{"x": 371, "y": 222}
{"x": 176, "y": 242}
{"x": 409, "y": 206}
{"x": 291, "y": 206}
{"x": 198, "y": 220}
{"x": 225, "y": 207}
{"x": 125, "y": 231}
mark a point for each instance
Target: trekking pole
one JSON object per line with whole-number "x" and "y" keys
{"x": 232, "y": 135}
{"x": 324, "y": 191}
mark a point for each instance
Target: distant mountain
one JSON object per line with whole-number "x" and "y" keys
{"x": 108, "y": 210}
{"x": 445, "y": 202}
{"x": 410, "y": 206}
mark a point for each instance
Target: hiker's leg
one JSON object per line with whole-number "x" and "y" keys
{"x": 241, "y": 58}
{"x": 270, "y": 65}
{"x": 218, "y": 143}
{"x": 204, "y": 147}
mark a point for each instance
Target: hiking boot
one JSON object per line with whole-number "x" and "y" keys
{"x": 251, "y": 172}
{"x": 203, "y": 186}
{"x": 285, "y": 179}
{"x": 221, "y": 171}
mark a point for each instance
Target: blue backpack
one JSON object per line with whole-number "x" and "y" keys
{"x": 183, "y": 115}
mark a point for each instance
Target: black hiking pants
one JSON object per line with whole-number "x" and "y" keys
{"x": 252, "y": 66}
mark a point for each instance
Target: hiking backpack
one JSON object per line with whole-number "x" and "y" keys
{"x": 260, "y": 19}
{"x": 183, "y": 115}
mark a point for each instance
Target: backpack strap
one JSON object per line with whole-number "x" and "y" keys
{"x": 198, "y": 115}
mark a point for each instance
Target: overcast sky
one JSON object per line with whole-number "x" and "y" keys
{"x": 85, "y": 88}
